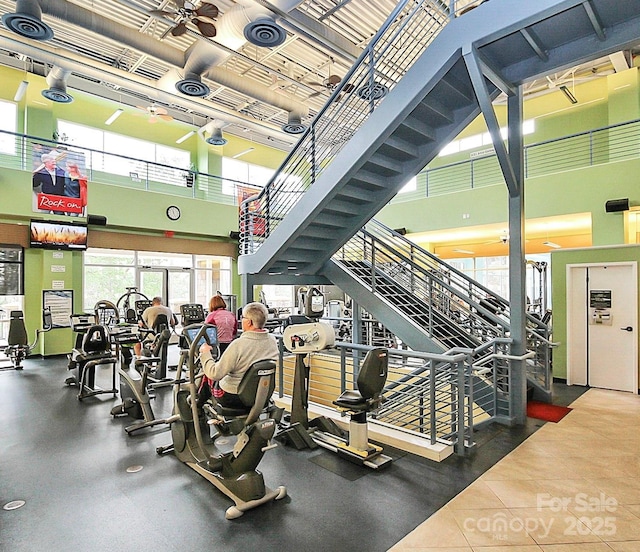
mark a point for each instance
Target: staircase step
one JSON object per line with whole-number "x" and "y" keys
{"x": 331, "y": 220}
{"x": 368, "y": 180}
{"x": 340, "y": 207}
{"x": 386, "y": 165}
{"x": 398, "y": 148}
{"x": 354, "y": 194}
{"x": 455, "y": 87}
{"x": 431, "y": 109}
{"x": 417, "y": 129}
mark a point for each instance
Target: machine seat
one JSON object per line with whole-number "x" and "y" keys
{"x": 95, "y": 345}
{"x": 371, "y": 380}
{"x": 17, "y": 331}
{"x": 254, "y": 391}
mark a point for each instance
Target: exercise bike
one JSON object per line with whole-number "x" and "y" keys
{"x": 233, "y": 472}
{"x": 18, "y": 347}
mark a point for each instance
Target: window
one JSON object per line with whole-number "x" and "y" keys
{"x": 279, "y": 297}
{"x": 11, "y": 285}
{"x": 493, "y": 273}
{"x": 125, "y": 146}
{"x": 484, "y": 139}
{"x": 8, "y": 122}
{"x": 108, "y": 272}
{"x": 237, "y": 172}
{"x": 410, "y": 186}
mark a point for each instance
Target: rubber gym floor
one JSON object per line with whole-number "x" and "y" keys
{"x": 68, "y": 461}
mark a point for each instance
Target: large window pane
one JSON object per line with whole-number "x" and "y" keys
{"x": 8, "y": 122}
{"x": 106, "y": 282}
{"x": 165, "y": 260}
{"x": 109, "y": 257}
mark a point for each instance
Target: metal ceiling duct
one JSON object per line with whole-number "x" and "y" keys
{"x": 201, "y": 55}
{"x": 57, "y": 81}
{"x": 48, "y": 54}
{"x": 294, "y": 125}
{"x": 27, "y": 21}
{"x": 232, "y": 33}
{"x": 215, "y": 137}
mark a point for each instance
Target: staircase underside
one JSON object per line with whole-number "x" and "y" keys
{"x": 513, "y": 42}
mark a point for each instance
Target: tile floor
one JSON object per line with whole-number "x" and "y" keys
{"x": 573, "y": 486}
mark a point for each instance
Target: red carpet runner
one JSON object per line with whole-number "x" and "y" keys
{"x": 546, "y": 412}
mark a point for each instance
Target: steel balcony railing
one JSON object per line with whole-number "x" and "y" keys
{"x": 22, "y": 152}
{"x": 610, "y": 144}
{"x": 409, "y": 29}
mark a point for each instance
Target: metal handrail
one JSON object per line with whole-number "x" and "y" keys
{"x": 437, "y": 407}
{"x": 452, "y": 308}
{"x": 612, "y": 143}
{"x": 408, "y": 30}
{"x": 147, "y": 175}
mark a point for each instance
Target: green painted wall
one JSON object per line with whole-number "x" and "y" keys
{"x": 559, "y": 262}
{"x": 127, "y": 209}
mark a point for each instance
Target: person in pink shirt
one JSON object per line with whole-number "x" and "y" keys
{"x": 226, "y": 325}
{"x": 225, "y": 322}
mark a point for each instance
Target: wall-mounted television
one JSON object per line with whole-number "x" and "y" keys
{"x": 48, "y": 234}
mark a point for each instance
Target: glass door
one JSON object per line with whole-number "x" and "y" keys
{"x": 153, "y": 283}
{"x": 173, "y": 285}
{"x": 179, "y": 289}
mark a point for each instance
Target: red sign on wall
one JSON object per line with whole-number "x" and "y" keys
{"x": 48, "y": 202}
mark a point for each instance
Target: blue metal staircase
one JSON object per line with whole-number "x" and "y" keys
{"x": 406, "y": 97}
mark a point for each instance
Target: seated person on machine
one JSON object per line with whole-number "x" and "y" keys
{"x": 149, "y": 318}
{"x": 255, "y": 343}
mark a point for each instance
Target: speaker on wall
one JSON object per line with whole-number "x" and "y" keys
{"x": 97, "y": 220}
{"x": 616, "y": 205}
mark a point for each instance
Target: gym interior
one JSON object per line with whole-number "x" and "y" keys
{"x": 462, "y": 205}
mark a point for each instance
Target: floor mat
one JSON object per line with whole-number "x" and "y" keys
{"x": 339, "y": 466}
{"x": 546, "y": 412}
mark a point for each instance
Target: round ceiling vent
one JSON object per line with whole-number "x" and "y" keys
{"x": 192, "y": 87}
{"x": 375, "y": 92}
{"x": 294, "y": 124}
{"x": 265, "y": 32}
{"x": 216, "y": 138}
{"x": 57, "y": 95}
{"x": 294, "y": 128}
{"x": 27, "y": 25}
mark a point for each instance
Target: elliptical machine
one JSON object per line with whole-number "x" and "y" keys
{"x": 233, "y": 472}
{"x": 137, "y": 385}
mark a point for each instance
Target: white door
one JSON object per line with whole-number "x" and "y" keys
{"x": 602, "y": 326}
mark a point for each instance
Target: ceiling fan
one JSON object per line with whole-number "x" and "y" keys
{"x": 200, "y": 14}
{"x": 155, "y": 113}
{"x": 329, "y": 85}
{"x": 503, "y": 238}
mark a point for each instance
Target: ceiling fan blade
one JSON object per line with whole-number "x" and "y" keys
{"x": 207, "y": 10}
{"x": 159, "y": 110}
{"x": 141, "y": 107}
{"x": 152, "y": 119}
{"x": 179, "y": 3}
{"x": 206, "y": 29}
{"x": 179, "y": 29}
{"x": 165, "y": 117}
{"x": 315, "y": 94}
{"x": 163, "y": 13}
